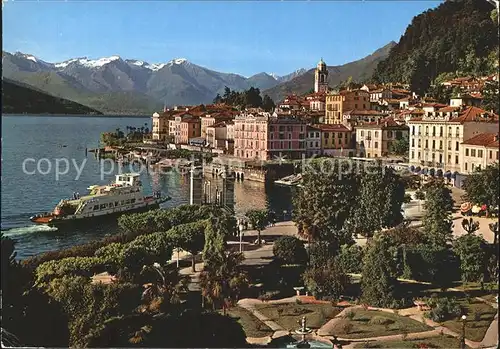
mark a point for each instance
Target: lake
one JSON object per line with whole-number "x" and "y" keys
{"x": 34, "y": 146}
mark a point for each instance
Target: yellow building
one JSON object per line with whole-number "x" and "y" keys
{"x": 337, "y": 104}
{"x": 336, "y": 140}
{"x": 436, "y": 138}
{"x": 479, "y": 152}
{"x": 374, "y": 139}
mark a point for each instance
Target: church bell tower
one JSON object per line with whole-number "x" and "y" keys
{"x": 321, "y": 77}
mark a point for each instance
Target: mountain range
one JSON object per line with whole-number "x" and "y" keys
{"x": 127, "y": 86}
{"x": 116, "y": 85}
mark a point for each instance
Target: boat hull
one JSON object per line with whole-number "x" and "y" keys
{"x": 61, "y": 223}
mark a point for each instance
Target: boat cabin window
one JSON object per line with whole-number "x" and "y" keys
{"x": 127, "y": 202}
{"x": 116, "y": 203}
{"x": 96, "y": 207}
{"x": 132, "y": 201}
{"x": 103, "y": 206}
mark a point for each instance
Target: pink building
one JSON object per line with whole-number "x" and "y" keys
{"x": 265, "y": 137}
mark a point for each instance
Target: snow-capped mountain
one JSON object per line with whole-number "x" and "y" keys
{"x": 177, "y": 81}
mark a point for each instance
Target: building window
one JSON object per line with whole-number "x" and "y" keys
{"x": 449, "y": 145}
{"x": 413, "y": 142}
{"x": 433, "y": 130}
{"x": 389, "y": 134}
{"x": 473, "y": 153}
{"x": 472, "y": 166}
{"x": 413, "y": 130}
{"x": 419, "y": 143}
{"x": 376, "y": 134}
{"x": 458, "y": 132}
{"x": 376, "y": 144}
{"x": 426, "y": 130}
{"x": 326, "y": 134}
{"x": 465, "y": 166}
{"x": 479, "y": 153}
{"x": 419, "y": 155}
{"x": 456, "y": 159}
{"x": 426, "y": 144}
{"x": 449, "y": 131}
{"x": 449, "y": 158}
{"x": 456, "y": 146}
{"x": 413, "y": 155}
{"x": 440, "y": 145}
{"x": 433, "y": 144}
{"x": 441, "y": 131}
{"x": 467, "y": 152}
{"x": 362, "y": 133}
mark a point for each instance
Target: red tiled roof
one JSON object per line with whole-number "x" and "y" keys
{"x": 476, "y": 114}
{"x": 448, "y": 109}
{"x": 489, "y": 140}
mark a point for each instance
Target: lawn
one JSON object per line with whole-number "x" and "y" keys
{"x": 252, "y": 326}
{"x": 479, "y": 318}
{"x": 369, "y": 323}
{"x": 287, "y": 315}
{"x": 444, "y": 342}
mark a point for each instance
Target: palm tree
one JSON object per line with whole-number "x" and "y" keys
{"x": 258, "y": 219}
{"x": 167, "y": 286}
{"x": 222, "y": 282}
{"x": 469, "y": 225}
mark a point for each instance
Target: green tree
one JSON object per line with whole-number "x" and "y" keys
{"x": 190, "y": 237}
{"x": 378, "y": 281}
{"x": 221, "y": 281}
{"x": 88, "y": 306}
{"x": 471, "y": 249}
{"x": 259, "y": 220}
{"x": 328, "y": 281}
{"x": 381, "y": 195}
{"x": 29, "y": 317}
{"x": 482, "y": 186}
{"x": 325, "y": 201}
{"x": 350, "y": 258}
{"x": 437, "y": 221}
{"x": 400, "y": 146}
{"x": 491, "y": 96}
{"x": 268, "y": 104}
{"x": 290, "y": 250}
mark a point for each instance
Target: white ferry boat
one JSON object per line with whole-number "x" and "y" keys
{"x": 123, "y": 196}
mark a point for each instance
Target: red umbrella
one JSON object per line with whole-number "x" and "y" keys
{"x": 465, "y": 207}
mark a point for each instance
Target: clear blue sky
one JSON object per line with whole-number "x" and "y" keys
{"x": 228, "y": 36}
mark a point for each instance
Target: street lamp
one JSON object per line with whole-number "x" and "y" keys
{"x": 241, "y": 227}
{"x": 462, "y": 340}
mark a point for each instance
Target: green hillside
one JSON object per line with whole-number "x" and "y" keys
{"x": 458, "y": 37}
{"x": 18, "y": 98}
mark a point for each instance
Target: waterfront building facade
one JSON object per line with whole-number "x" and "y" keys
{"x": 479, "y": 152}
{"x": 436, "y": 138}
{"x": 336, "y": 139}
{"x": 373, "y": 139}
{"x": 266, "y": 137}
{"x": 313, "y": 141}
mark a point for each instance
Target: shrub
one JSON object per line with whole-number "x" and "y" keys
{"x": 443, "y": 309}
{"x": 290, "y": 250}
{"x": 76, "y": 266}
{"x": 471, "y": 249}
{"x": 321, "y": 252}
{"x": 380, "y": 320}
{"x": 407, "y": 198}
{"x": 350, "y": 258}
{"x": 269, "y": 295}
{"x": 349, "y": 315}
{"x": 329, "y": 281}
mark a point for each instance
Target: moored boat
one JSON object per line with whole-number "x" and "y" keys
{"x": 105, "y": 201}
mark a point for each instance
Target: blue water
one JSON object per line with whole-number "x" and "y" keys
{"x": 66, "y": 137}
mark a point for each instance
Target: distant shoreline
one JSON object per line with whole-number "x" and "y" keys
{"x": 78, "y": 115}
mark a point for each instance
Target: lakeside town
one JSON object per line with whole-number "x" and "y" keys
{"x": 341, "y": 270}
{"x": 347, "y": 207}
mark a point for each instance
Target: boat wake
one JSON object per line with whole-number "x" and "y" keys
{"x": 27, "y": 230}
